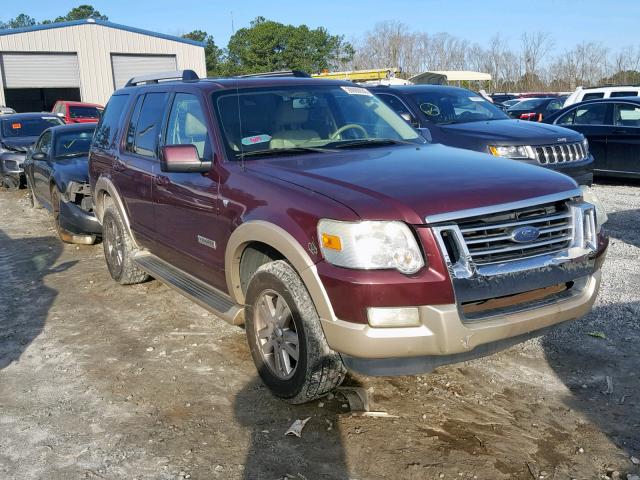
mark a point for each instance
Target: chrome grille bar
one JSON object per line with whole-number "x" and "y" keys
{"x": 560, "y": 153}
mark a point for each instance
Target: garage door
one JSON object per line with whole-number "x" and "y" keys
{"x": 35, "y": 70}
{"x": 127, "y": 66}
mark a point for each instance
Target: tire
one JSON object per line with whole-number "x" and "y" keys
{"x": 119, "y": 249}
{"x": 279, "y": 313}
{"x": 10, "y": 184}
{"x": 33, "y": 200}
{"x": 55, "y": 210}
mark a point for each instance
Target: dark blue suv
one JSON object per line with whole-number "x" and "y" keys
{"x": 461, "y": 118}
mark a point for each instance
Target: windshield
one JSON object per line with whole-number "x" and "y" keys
{"x": 84, "y": 112}
{"x": 531, "y": 103}
{"x": 456, "y": 106}
{"x": 27, "y": 127}
{"x": 307, "y": 118}
{"x": 72, "y": 144}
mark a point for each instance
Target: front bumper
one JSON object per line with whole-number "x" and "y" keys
{"x": 445, "y": 337}
{"x": 581, "y": 172}
{"x": 77, "y": 221}
{"x": 11, "y": 165}
{"x": 452, "y": 332}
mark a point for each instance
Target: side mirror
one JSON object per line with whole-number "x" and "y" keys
{"x": 182, "y": 159}
{"x": 39, "y": 156}
{"x": 426, "y": 133}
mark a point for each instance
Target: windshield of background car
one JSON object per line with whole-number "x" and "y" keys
{"x": 452, "y": 106}
{"x": 28, "y": 127}
{"x": 269, "y": 120}
{"x": 532, "y": 103}
{"x": 72, "y": 144}
{"x": 84, "y": 112}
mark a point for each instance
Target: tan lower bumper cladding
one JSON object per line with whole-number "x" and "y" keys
{"x": 444, "y": 333}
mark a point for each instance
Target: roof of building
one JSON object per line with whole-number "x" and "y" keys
{"x": 104, "y": 23}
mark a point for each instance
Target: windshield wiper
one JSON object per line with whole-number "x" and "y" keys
{"x": 363, "y": 142}
{"x": 286, "y": 151}
{"x": 71, "y": 155}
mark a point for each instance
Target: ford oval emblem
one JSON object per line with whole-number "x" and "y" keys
{"x": 525, "y": 234}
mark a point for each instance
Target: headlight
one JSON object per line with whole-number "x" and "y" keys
{"x": 370, "y": 245}
{"x": 585, "y": 145}
{"x": 518, "y": 152}
{"x": 589, "y": 196}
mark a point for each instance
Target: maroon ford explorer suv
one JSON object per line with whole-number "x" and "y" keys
{"x": 310, "y": 212}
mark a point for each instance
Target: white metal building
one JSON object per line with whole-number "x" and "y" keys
{"x": 84, "y": 60}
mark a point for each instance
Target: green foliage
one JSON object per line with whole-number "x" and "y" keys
{"x": 213, "y": 54}
{"x": 22, "y": 20}
{"x": 81, "y": 12}
{"x": 269, "y": 46}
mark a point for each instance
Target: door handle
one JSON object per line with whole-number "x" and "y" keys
{"x": 161, "y": 180}
{"x": 619, "y": 131}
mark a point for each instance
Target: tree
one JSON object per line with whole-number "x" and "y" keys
{"x": 213, "y": 54}
{"x": 269, "y": 46}
{"x": 81, "y": 12}
{"x": 22, "y": 20}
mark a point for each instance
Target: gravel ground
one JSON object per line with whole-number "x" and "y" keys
{"x": 103, "y": 381}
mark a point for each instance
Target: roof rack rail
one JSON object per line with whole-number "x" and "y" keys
{"x": 280, "y": 73}
{"x": 184, "y": 75}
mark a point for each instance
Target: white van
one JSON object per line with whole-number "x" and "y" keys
{"x": 581, "y": 94}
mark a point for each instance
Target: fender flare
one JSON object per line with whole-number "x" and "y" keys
{"x": 281, "y": 240}
{"x": 104, "y": 186}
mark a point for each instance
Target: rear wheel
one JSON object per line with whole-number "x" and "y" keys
{"x": 119, "y": 249}
{"x": 285, "y": 337}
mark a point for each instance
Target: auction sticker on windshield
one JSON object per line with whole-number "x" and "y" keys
{"x": 357, "y": 91}
{"x": 255, "y": 139}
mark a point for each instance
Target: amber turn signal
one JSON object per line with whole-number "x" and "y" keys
{"x": 331, "y": 241}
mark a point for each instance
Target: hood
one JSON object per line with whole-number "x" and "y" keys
{"x": 408, "y": 183}
{"x": 74, "y": 169}
{"x": 19, "y": 144}
{"x": 512, "y": 132}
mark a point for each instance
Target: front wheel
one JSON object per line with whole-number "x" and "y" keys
{"x": 285, "y": 337}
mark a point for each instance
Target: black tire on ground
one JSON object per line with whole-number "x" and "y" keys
{"x": 55, "y": 208}
{"x": 33, "y": 200}
{"x": 10, "y": 183}
{"x": 119, "y": 249}
{"x": 318, "y": 369}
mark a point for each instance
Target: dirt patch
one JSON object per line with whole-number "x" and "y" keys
{"x": 103, "y": 381}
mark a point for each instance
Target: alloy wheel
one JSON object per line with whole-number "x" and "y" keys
{"x": 276, "y": 334}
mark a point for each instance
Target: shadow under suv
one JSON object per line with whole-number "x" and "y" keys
{"x": 311, "y": 212}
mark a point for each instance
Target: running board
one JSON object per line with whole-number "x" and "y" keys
{"x": 207, "y": 297}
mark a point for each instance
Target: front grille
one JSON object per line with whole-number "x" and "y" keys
{"x": 560, "y": 153}
{"x": 489, "y": 239}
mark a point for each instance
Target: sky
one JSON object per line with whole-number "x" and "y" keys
{"x": 568, "y": 21}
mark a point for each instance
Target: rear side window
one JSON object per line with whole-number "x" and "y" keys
{"x": 626, "y": 115}
{"x": 591, "y": 96}
{"x": 149, "y": 123}
{"x": 188, "y": 125}
{"x": 107, "y": 129}
{"x": 399, "y": 107}
{"x": 594, "y": 114}
{"x": 591, "y": 114}
{"x": 623, "y": 94}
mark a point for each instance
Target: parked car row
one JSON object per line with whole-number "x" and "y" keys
{"x": 316, "y": 213}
